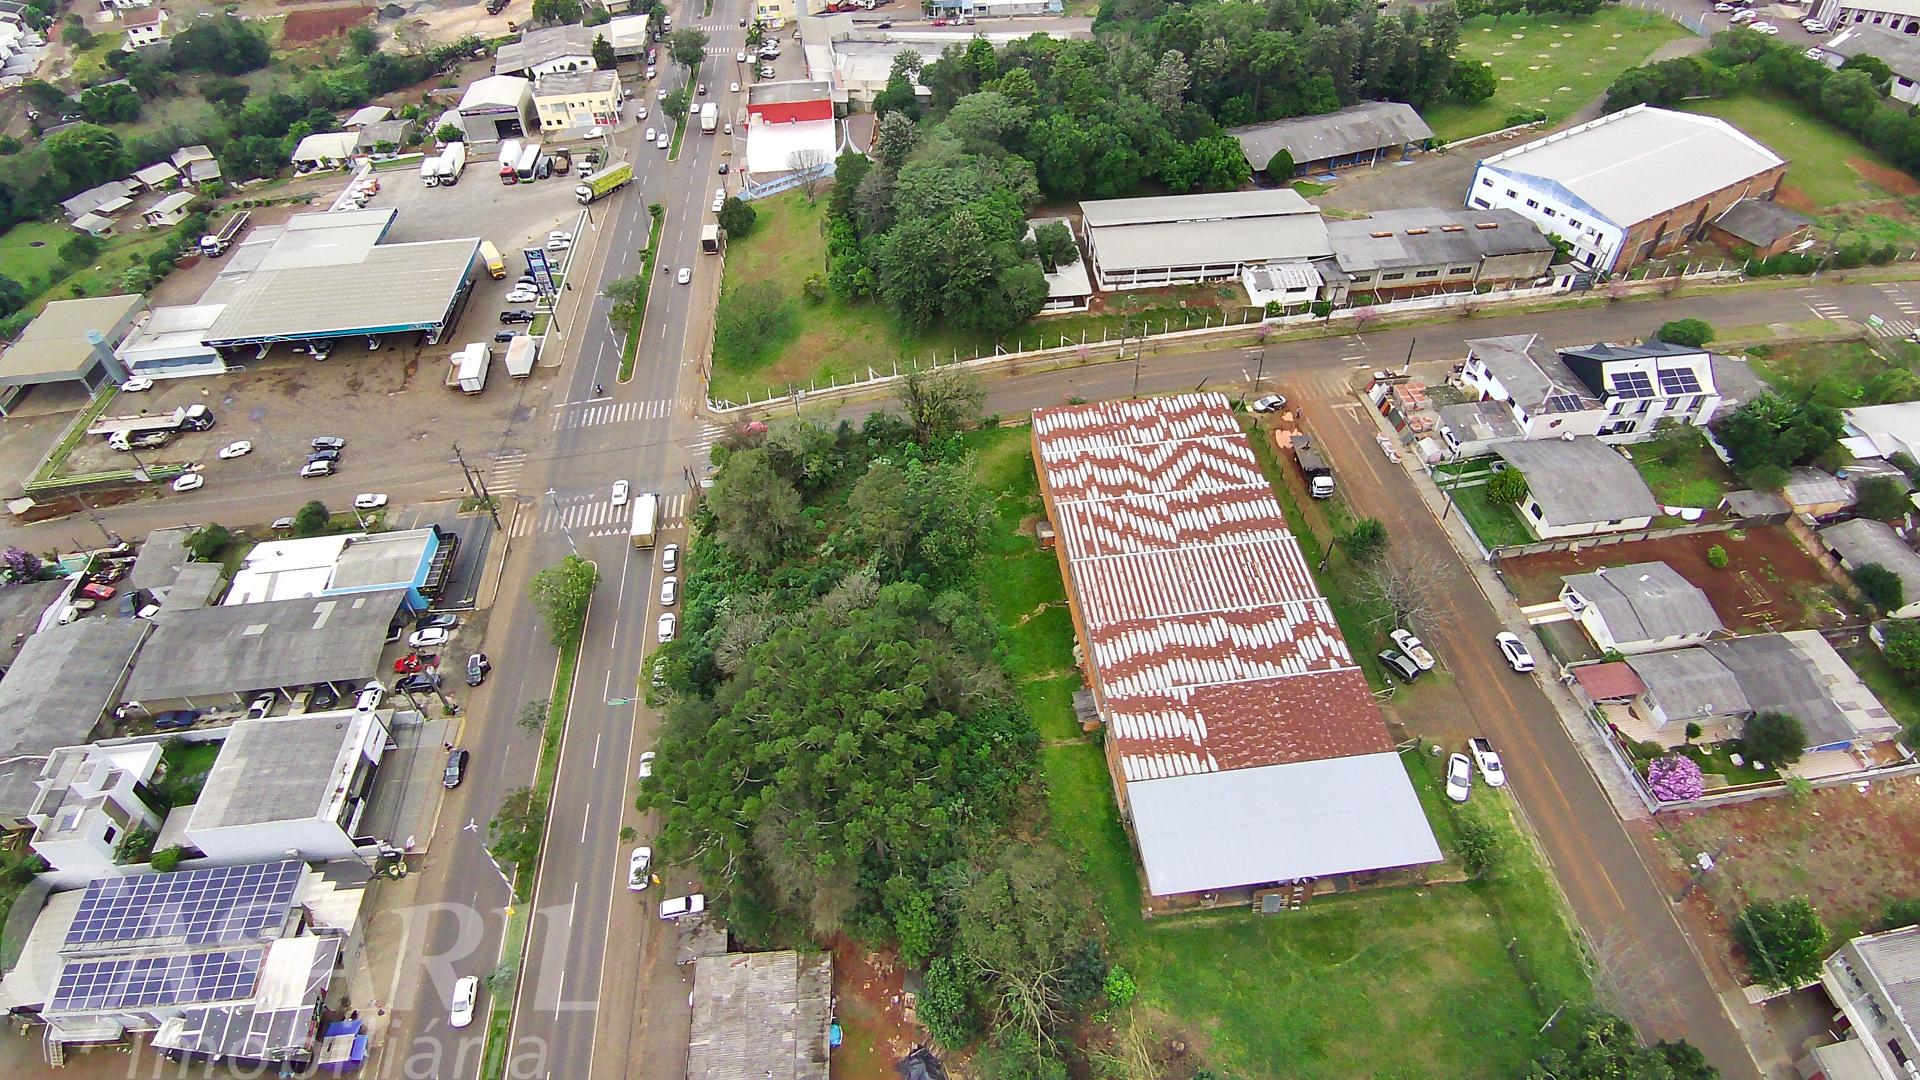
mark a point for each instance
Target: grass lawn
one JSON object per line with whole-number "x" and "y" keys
{"x": 30, "y": 254}
{"x": 1249, "y": 992}
{"x": 1496, "y": 524}
{"x": 31, "y": 250}
{"x": 1698, "y": 479}
{"x": 1551, "y": 62}
{"x": 1819, "y": 153}
{"x": 1840, "y": 374}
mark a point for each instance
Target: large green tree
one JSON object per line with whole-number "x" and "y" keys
{"x": 1784, "y": 942}
{"x": 687, "y": 45}
{"x": 1772, "y": 430}
{"x": 87, "y": 153}
{"x": 756, "y": 512}
{"x": 1022, "y": 929}
{"x": 561, "y": 593}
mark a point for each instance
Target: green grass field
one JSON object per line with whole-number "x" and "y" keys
{"x": 1555, "y": 63}
{"x": 1699, "y": 479}
{"x": 1428, "y": 969}
{"x": 31, "y": 250}
{"x": 1840, "y": 374}
{"x": 1494, "y": 523}
{"x": 1817, "y": 151}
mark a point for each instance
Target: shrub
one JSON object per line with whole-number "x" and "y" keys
{"x": 1881, "y": 498}
{"x": 1774, "y": 737}
{"x": 1717, "y": 557}
{"x": 208, "y": 541}
{"x": 1507, "y": 486}
{"x": 1784, "y": 942}
{"x": 1479, "y": 846}
{"x": 166, "y": 860}
{"x": 1881, "y": 587}
{"x": 945, "y": 1007}
{"x": 1689, "y": 332}
{"x": 1902, "y": 913}
{"x": 1674, "y": 778}
{"x": 1120, "y": 987}
{"x": 312, "y": 519}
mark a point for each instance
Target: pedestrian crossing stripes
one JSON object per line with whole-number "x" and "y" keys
{"x": 504, "y": 476}
{"x": 1826, "y": 309}
{"x": 710, "y": 433}
{"x": 595, "y": 515}
{"x": 1894, "y": 328}
{"x": 595, "y": 414}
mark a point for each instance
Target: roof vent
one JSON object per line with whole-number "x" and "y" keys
{"x": 1486, "y": 224}
{"x": 1417, "y": 232}
{"x": 1453, "y": 228}
{"x": 1380, "y": 235}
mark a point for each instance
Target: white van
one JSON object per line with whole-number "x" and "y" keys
{"x": 369, "y": 697}
{"x": 681, "y": 906}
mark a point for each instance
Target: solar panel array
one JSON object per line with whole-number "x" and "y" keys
{"x": 1560, "y": 403}
{"x": 1632, "y": 384}
{"x": 216, "y": 905}
{"x": 1677, "y": 381}
{"x": 138, "y": 982}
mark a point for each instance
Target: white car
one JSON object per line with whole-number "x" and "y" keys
{"x": 1488, "y": 761}
{"x": 136, "y": 385}
{"x": 620, "y": 489}
{"x": 646, "y": 765}
{"x": 669, "y": 591}
{"x": 670, "y": 558}
{"x": 1813, "y": 26}
{"x": 557, "y": 246}
{"x": 465, "y": 992}
{"x": 1814, "y": 53}
{"x": 1766, "y": 28}
{"x": 681, "y": 906}
{"x": 740, "y": 57}
{"x": 662, "y": 142}
{"x": 1743, "y": 16}
{"x": 660, "y": 94}
{"x": 639, "y": 112}
{"x": 1459, "y": 777}
{"x": 1414, "y": 649}
{"x": 522, "y": 296}
{"x": 1515, "y": 651}
{"x": 369, "y": 500}
{"x": 638, "y": 865}
{"x": 1723, "y": 7}
{"x": 190, "y": 481}
{"x": 685, "y": 275}
{"x": 368, "y": 699}
{"x": 652, "y": 134}
{"x": 736, "y": 88}
{"x": 235, "y": 449}
{"x": 668, "y": 621}
{"x": 431, "y": 638}
{"x": 1269, "y": 403}
{"x": 561, "y": 235}
{"x": 260, "y": 707}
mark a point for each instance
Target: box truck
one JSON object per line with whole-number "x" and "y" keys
{"x": 509, "y": 161}
{"x": 467, "y": 369}
{"x": 214, "y": 245}
{"x": 452, "y": 160}
{"x": 496, "y": 266}
{"x": 430, "y": 171}
{"x": 521, "y": 353}
{"x": 712, "y": 239}
{"x": 709, "y": 117}
{"x": 646, "y": 519}
{"x": 596, "y": 185}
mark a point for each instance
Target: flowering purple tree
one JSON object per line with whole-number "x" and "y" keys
{"x": 1674, "y": 778}
{"x": 21, "y": 564}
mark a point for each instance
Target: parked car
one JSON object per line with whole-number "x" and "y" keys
{"x": 670, "y": 558}
{"x": 652, "y": 135}
{"x": 176, "y": 720}
{"x": 682, "y": 906}
{"x": 1515, "y": 651}
{"x": 260, "y": 707}
{"x": 316, "y": 468}
{"x": 1399, "y": 665}
{"x": 1459, "y": 777}
{"x": 369, "y": 500}
{"x": 369, "y": 697}
{"x": 456, "y": 769}
{"x": 669, "y": 591}
{"x": 282, "y": 524}
{"x": 620, "y": 490}
{"x": 504, "y": 337}
{"x": 477, "y": 667}
{"x": 740, "y": 57}
{"x": 1814, "y": 53}
{"x": 323, "y": 455}
{"x": 522, "y": 296}
{"x": 1413, "y": 648}
{"x": 667, "y": 625}
{"x": 324, "y": 696}
{"x": 419, "y": 682}
{"x": 137, "y": 384}
{"x": 1742, "y": 17}
{"x": 235, "y": 450}
{"x": 431, "y": 638}
{"x": 1269, "y": 403}
{"x": 465, "y": 992}
{"x": 329, "y": 442}
{"x": 1487, "y": 761}
{"x": 446, "y": 620}
{"x": 94, "y": 590}
{"x": 639, "y": 864}
{"x": 516, "y": 316}
{"x": 408, "y": 664}
{"x": 1766, "y": 28}
{"x": 189, "y": 481}
{"x": 646, "y": 766}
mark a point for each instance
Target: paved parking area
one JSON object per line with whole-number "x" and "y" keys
{"x": 1439, "y": 178}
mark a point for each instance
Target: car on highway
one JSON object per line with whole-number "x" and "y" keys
{"x": 662, "y": 142}
{"x": 670, "y": 558}
{"x": 740, "y": 57}
{"x": 465, "y": 992}
{"x": 477, "y": 667}
{"x": 620, "y": 490}
{"x": 316, "y": 468}
{"x": 260, "y": 707}
{"x": 639, "y": 112}
{"x": 189, "y": 481}
{"x": 735, "y": 88}
{"x": 445, "y": 620}
{"x": 1514, "y": 651}
{"x": 137, "y": 384}
{"x": 420, "y": 682}
{"x": 431, "y": 638}
{"x": 660, "y": 94}
{"x": 652, "y": 134}
{"x": 685, "y": 275}
{"x": 235, "y": 449}
{"x": 723, "y": 168}
{"x": 1397, "y": 663}
{"x": 703, "y": 89}
{"x": 639, "y": 864}
{"x": 456, "y": 769}
{"x": 1487, "y": 761}
{"x": 329, "y": 442}
{"x": 646, "y": 766}
{"x": 669, "y": 591}
{"x": 668, "y": 622}
{"x": 1459, "y": 777}
{"x": 369, "y": 500}
{"x": 1269, "y": 403}
{"x": 681, "y": 906}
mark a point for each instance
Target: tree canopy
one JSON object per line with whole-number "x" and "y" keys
{"x": 1772, "y": 430}
{"x": 1690, "y": 332}
{"x": 561, "y": 593}
{"x": 1773, "y": 737}
{"x": 1784, "y": 942}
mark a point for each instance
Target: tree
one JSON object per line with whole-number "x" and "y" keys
{"x": 1509, "y": 486}
{"x": 677, "y": 103}
{"x": 1053, "y": 243}
{"x": 1211, "y": 164}
{"x": 1902, "y": 648}
{"x": 809, "y": 165}
{"x": 1772, "y": 430}
{"x": 561, "y": 593}
{"x": 532, "y": 717}
{"x": 513, "y": 836}
{"x": 224, "y": 44}
{"x": 1692, "y": 333}
{"x": 363, "y": 40}
{"x": 893, "y": 140}
{"x": 921, "y": 522}
{"x": 938, "y": 403}
{"x": 1784, "y": 941}
{"x": 753, "y": 321}
{"x": 1881, "y": 587}
{"x": 1478, "y": 845}
{"x": 1408, "y": 593}
{"x": 88, "y": 153}
{"x": 945, "y": 1005}
{"x": 1471, "y": 81}
{"x": 1280, "y": 167}
{"x": 603, "y": 57}
{"x": 1594, "y": 1045}
{"x": 1773, "y": 737}
{"x": 1881, "y": 498}
{"x": 626, "y": 298}
{"x": 13, "y": 296}
{"x": 449, "y": 132}
{"x": 756, "y": 512}
{"x": 312, "y": 519}
{"x": 1019, "y": 928}
{"x": 1364, "y": 541}
{"x": 737, "y": 217}
{"x": 687, "y": 45}
{"x": 557, "y": 12}
{"x": 208, "y": 541}
{"x": 115, "y": 103}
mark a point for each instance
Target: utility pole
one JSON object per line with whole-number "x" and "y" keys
{"x": 478, "y": 485}
{"x": 553, "y": 498}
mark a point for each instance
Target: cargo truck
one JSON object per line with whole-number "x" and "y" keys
{"x": 430, "y": 171}
{"x": 709, "y": 117}
{"x": 521, "y": 353}
{"x": 597, "y": 185}
{"x": 214, "y": 245}
{"x": 712, "y": 239}
{"x": 646, "y": 519}
{"x": 509, "y": 161}
{"x": 452, "y": 161}
{"x": 1314, "y": 467}
{"x": 496, "y": 266}
{"x": 186, "y": 418}
{"x": 467, "y": 369}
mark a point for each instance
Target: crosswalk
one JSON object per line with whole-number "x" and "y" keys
{"x": 702, "y": 444}
{"x": 585, "y": 414}
{"x": 503, "y": 477}
{"x": 1897, "y": 327}
{"x": 1822, "y": 306}
{"x": 590, "y": 515}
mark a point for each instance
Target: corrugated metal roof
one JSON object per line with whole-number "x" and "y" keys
{"x": 1369, "y": 125}
{"x": 1646, "y": 602}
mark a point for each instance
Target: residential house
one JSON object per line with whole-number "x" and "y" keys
{"x": 1881, "y": 431}
{"x": 169, "y": 211}
{"x": 1816, "y": 492}
{"x": 1177, "y": 239}
{"x": 1397, "y": 253}
{"x": 144, "y": 27}
{"x": 196, "y": 163}
{"x": 88, "y": 800}
{"x": 124, "y": 5}
{"x": 1630, "y": 186}
{"x": 1874, "y": 980}
{"x": 158, "y": 175}
{"x": 577, "y": 100}
{"x": 106, "y": 200}
{"x": 1578, "y": 487}
{"x": 364, "y": 115}
{"x": 1861, "y": 542}
{"x": 383, "y": 136}
{"x": 1639, "y": 607}
{"x": 760, "y": 1015}
{"x": 1366, "y": 133}
{"x": 1761, "y": 226}
{"x": 326, "y": 150}
{"x": 1618, "y": 393}
{"x": 547, "y": 50}
{"x": 1473, "y": 428}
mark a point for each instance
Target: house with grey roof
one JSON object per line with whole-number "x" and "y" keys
{"x": 288, "y": 784}
{"x": 1364, "y": 134}
{"x": 761, "y": 1015}
{"x": 1862, "y": 542}
{"x": 1874, "y": 981}
{"x": 63, "y": 687}
{"x": 1578, "y": 487}
{"x": 1899, "y": 51}
{"x": 1817, "y": 492}
{"x": 105, "y": 200}
{"x": 547, "y": 50}
{"x": 1398, "y": 253}
{"x": 196, "y": 163}
{"x": 1617, "y": 393}
{"x": 1472, "y": 428}
{"x": 1762, "y": 226}
{"x": 1639, "y": 607}
{"x": 1176, "y": 239}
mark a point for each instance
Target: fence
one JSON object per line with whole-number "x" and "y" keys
{"x": 1691, "y": 20}
{"x": 814, "y": 174}
{"x": 1581, "y": 543}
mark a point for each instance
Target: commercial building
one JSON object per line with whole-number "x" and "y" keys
{"x": 774, "y": 14}
{"x": 87, "y": 800}
{"x": 1578, "y": 487}
{"x": 326, "y": 150}
{"x": 790, "y": 126}
{"x": 1893, "y": 16}
{"x": 171, "y": 342}
{"x": 1178, "y": 239}
{"x": 627, "y": 34}
{"x": 1244, "y": 746}
{"x": 1857, "y": 543}
{"x": 325, "y": 276}
{"x": 1900, "y": 51}
{"x": 1639, "y": 607}
{"x": 1630, "y": 186}
{"x": 1366, "y": 133}
{"x": 25, "y": 609}
{"x": 1618, "y": 393}
{"x": 290, "y": 785}
{"x": 497, "y": 108}
{"x": 414, "y": 560}
{"x": 547, "y": 50}
{"x": 1398, "y": 253}
{"x": 1874, "y": 980}
{"x": 761, "y": 1016}
{"x": 577, "y": 100}
{"x": 64, "y": 685}
{"x": 994, "y": 9}
{"x": 70, "y": 341}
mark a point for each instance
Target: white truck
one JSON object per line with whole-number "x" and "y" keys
{"x": 214, "y": 245}
{"x": 709, "y": 117}
{"x": 646, "y": 520}
{"x": 1313, "y": 467}
{"x": 521, "y": 353}
{"x": 450, "y": 163}
{"x": 430, "y": 171}
{"x": 467, "y": 368}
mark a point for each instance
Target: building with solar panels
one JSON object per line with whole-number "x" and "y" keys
{"x": 1619, "y": 393}
{"x": 228, "y": 962}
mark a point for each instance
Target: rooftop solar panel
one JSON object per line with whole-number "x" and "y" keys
{"x": 216, "y": 905}
{"x": 1565, "y": 403}
{"x": 139, "y": 982}
{"x": 1674, "y": 381}
{"x": 1634, "y": 384}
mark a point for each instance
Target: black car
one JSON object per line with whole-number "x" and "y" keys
{"x": 323, "y": 455}
{"x": 1400, "y": 665}
{"x": 723, "y": 168}
{"x": 324, "y": 697}
{"x": 477, "y": 667}
{"x": 456, "y": 769}
{"x": 176, "y": 720}
{"x": 418, "y": 683}
{"x": 505, "y": 337}
{"x": 520, "y": 315}
{"x": 444, "y": 620}
{"x": 329, "y": 442}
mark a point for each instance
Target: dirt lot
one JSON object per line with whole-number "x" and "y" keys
{"x": 316, "y": 24}
{"x": 1847, "y": 852}
{"x": 871, "y": 1007}
{"x": 1769, "y": 582}
{"x": 1435, "y": 179}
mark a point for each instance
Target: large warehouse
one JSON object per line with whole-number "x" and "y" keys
{"x": 1630, "y": 186}
{"x": 325, "y": 276}
{"x": 1243, "y": 742}
{"x": 1176, "y": 239}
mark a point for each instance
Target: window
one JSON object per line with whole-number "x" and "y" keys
{"x": 1512, "y": 194}
{"x": 1548, "y": 211}
{"x": 1575, "y": 222}
{"x": 1486, "y": 181}
{"x": 1451, "y": 270}
{"x": 1392, "y": 277}
{"x": 1534, "y": 203}
{"x": 1482, "y": 203}
{"x": 1426, "y": 273}
{"x": 108, "y": 836}
{"x": 1363, "y": 278}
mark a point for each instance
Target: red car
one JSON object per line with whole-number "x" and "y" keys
{"x": 407, "y": 664}
{"x": 93, "y": 590}
{"x": 939, "y": 22}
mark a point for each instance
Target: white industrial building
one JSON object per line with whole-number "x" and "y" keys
{"x": 1179, "y": 239}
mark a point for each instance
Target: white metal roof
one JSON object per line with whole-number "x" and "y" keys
{"x": 326, "y": 146}
{"x": 1227, "y": 227}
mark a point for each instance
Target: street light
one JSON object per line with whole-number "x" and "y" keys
{"x": 553, "y": 498}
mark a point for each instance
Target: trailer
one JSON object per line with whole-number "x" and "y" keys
{"x": 598, "y": 185}
{"x": 214, "y": 245}
{"x": 467, "y": 368}
{"x": 187, "y": 418}
{"x": 522, "y": 351}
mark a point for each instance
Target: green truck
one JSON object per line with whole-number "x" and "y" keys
{"x": 599, "y": 184}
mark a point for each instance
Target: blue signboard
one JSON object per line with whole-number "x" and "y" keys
{"x": 541, "y": 270}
